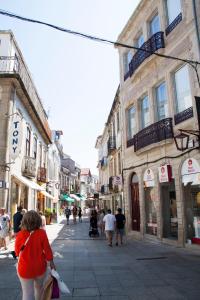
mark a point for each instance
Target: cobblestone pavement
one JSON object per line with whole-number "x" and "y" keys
{"x": 92, "y": 270}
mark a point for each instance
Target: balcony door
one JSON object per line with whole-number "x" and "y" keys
{"x": 135, "y": 204}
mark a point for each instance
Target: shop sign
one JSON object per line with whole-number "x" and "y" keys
{"x": 190, "y": 171}
{"x": 117, "y": 180}
{"x": 165, "y": 173}
{"x": 148, "y": 178}
{"x": 15, "y": 136}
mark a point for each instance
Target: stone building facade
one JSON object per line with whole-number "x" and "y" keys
{"x": 158, "y": 97}
{"x": 24, "y": 131}
{"x": 110, "y": 163}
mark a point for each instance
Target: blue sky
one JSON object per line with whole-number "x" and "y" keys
{"x": 76, "y": 78}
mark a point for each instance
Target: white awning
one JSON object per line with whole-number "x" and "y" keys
{"x": 75, "y": 197}
{"x": 31, "y": 184}
{"x": 47, "y": 195}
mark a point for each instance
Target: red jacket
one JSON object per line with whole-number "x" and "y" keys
{"x": 33, "y": 259}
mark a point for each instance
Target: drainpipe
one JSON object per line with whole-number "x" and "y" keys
{"x": 196, "y": 24}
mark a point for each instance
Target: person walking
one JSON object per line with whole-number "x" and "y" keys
{"x": 80, "y": 214}
{"x": 100, "y": 221}
{"x": 110, "y": 223}
{"x": 120, "y": 223}
{"x": 17, "y": 218}
{"x": 5, "y": 227}
{"x": 67, "y": 214}
{"x": 74, "y": 212}
{"x": 43, "y": 220}
{"x": 34, "y": 252}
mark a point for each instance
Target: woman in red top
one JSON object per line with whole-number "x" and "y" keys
{"x": 32, "y": 247}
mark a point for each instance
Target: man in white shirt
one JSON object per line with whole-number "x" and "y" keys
{"x": 109, "y": 223}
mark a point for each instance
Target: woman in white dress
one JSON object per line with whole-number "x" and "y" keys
{"x": 5, "y": 227}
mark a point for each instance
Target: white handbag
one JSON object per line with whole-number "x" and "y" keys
{"x": 62, "y": 286}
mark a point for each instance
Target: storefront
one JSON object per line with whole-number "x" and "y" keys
{"x": 150, "y": 202}
{"x": 168, "y": 203}
{"x": 190, "y": 174}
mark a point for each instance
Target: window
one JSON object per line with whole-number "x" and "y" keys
{"x": 131, "y": 122}
{"x": 127, "y": 60}
{"x": 182, "y": 90}
{"x": 161, "y": 102}
{"x": 140, "y": 41}
{"x": 145, "y": 112}
{"x": 173, "y": 9}
{"x": 28, "y": 141}
{"x": 118, "y": 122}
{"x": 154, "y": 25}
{"x": 119, "y": 163}
{"x": 35, "y": 147}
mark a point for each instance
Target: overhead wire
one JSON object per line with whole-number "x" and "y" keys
{"x": 94, "y": 38}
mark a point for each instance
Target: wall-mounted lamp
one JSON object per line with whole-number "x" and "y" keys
{"x": 182, "y": 139}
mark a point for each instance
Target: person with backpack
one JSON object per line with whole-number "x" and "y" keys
{"x": 67, "y": 214}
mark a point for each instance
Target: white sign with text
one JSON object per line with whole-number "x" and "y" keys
{"x": 15, "y": 136}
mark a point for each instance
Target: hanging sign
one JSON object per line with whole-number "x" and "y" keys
{"x": 15, "y": 136}
{"x": 148, "y": 178}
{"x": 117, "y": 180}
{"x": 190, "y": 171}
{"x": 165, "y": 173}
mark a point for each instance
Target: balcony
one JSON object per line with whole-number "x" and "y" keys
{"x": 29, "y": 167}
{"x": 13, "y": 66}
{"x": 103, "y": 162}
{"x": 130, "y": 143}
{"x": 42, "y": 175}
{"x": 183, "y": 115}
{"x": 171, "y": 26}
{"x": 154, "y": 133}
{"x": 111, "y": 144}
{"x": 154, "y": 43}
{"x": 104, "y": 189}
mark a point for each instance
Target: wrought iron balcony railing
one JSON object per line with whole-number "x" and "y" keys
{"x": 111, "y": 144}
{"x": 155, "y": 42}
{"x": 171, "y": 26}
{"x": 130, "y": 142}
{"x": 29, "y": 167}
{"x": 154, "y": 133}
{"x": 183, "y": 115}
{"x": 14, "y": 65}
{"x": 104, "y": 189}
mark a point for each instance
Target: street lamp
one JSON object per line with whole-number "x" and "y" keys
{"x": 182, "y": 139}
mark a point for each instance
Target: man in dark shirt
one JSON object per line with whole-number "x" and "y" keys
{"x": 120, "y": 222}
{"x": 67, "y": 214}
{"x": 17, "y": 218}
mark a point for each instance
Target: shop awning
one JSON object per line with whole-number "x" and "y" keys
{"x": 81, "y": 197}
{"x": 47, "y": 195}
{"x": 75, "y": 197}
{"x": 65, "y": 197}
{"x": 31, "y": 184}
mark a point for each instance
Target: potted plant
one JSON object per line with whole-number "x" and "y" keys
{"x": 48, "y": 214}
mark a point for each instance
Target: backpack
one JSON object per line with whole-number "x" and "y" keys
{"x": 67, "y": 212}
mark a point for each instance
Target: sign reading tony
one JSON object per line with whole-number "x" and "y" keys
{"x": 15, "y": 136}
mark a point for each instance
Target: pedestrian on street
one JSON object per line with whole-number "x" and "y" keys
{"x": 120, "y": 223}
{"x": 80, "y": 214}
{"x": 110, "y": 223}
{"x": 17, "y": 218}
{"x": 5, "y": 226}
{"x": 33, "y": 249}
{"x": 67, "y": 214}
{"x": 74, "y": 212}
{"x": 100, "y": 221}
{"x": 43, "y": 220}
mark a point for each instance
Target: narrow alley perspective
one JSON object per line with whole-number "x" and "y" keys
{"x": 92, "y": 270}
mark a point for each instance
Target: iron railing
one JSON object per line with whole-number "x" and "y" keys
{"x": 111, "y": 144}
{"x": 171, "y": 26}
{"x": 14, "y": 65}
{"x": 29, "y": 167}
{"x": 154, "y": 133}
{"x": 183, "y": 115}
{"x": 155, "y": 42}
{"x": 130, "y": 142}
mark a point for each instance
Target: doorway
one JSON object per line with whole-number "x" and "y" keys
{"x": 135, "y": 204}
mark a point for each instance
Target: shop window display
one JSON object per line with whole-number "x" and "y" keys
{"x": 151, "y": 211}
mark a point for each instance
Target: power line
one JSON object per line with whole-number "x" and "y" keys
{"x": 97, "y": 39}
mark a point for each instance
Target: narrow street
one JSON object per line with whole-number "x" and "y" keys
{"x": 92, "y": 270}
